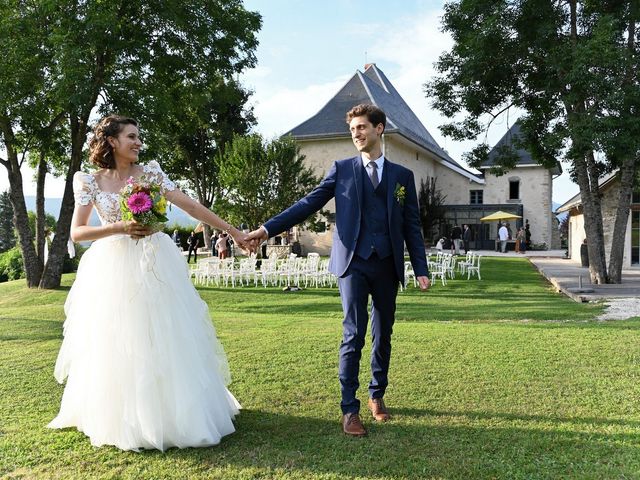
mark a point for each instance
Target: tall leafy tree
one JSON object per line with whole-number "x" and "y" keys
{"x": 186, "y": 135}
{"x": 571, "y": 67}
{"x": 61, "y": 57}
{"x": 259, "y": 179}
{"x": 7, "y": 235}
{"x": 432, "y": 207}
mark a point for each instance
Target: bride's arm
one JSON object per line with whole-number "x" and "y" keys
{"x": 81, "y": 230}
{"x": 200, "y": 212}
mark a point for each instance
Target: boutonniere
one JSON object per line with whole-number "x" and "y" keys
{"x": 400, "y": 193}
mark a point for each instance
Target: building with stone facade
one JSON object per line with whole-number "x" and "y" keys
{"x": 526, "y": 190}
{"x": 609, "y": 187}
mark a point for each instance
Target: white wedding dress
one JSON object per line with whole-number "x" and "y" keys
{"x": 143, "y": 365}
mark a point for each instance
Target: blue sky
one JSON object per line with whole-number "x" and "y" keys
{"x": 309, "y": 49}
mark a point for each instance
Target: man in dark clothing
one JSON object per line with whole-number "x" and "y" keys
{"x": 466, "y": 237}
{"x": 456, "y": 237}
{"x": 193, "y": 241}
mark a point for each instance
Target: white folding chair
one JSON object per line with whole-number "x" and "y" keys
{"x": 462, "y": 265}
{"x": 474, "y": 268}
{"x": 440, "y": 270}
{"x": 227, "y": 272}
{"x": 408, "y": 275}
{"x": 268, "y": 271}
{"x": 247, "y": 271}
{"x": 311, "y": 269}
{"x": 212, "y": 272}
{"x": 451, "y": 267}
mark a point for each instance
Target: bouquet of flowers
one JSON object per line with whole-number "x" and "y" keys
{"x": 142, "y": 201}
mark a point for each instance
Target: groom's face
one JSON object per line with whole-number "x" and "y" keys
{"x": 365, "y": 136}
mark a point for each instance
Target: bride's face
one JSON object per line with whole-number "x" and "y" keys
{"x": 126, "y": 146}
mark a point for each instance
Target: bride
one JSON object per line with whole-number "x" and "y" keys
{"x": 144, "y": 368}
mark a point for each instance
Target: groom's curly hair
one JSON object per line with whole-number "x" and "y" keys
{"x": 374, "y": 114}
{"x": 100, "y": 151}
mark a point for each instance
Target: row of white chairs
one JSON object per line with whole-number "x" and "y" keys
{"x": 313, "y": 270}
{"x": 470, "y": 265}
{"x": 291, "y": 271}
{"x": 443, "y": 266}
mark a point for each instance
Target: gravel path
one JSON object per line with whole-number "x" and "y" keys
{"x": 621, "y": 308}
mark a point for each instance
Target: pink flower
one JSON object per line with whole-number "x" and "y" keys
{"x": 139, "y": 202}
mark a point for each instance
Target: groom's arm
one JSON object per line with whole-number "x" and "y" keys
{"x": 301, "y": 210}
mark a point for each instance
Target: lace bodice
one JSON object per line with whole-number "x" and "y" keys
{"x": 86, "y": 191}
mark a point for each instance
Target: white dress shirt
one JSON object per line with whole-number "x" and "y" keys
{"x": 379, "y": 161}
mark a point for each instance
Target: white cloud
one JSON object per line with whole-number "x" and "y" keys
{"x": 282, "y": 110}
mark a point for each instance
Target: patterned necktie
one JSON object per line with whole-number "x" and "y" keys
{"x": 373, "y": 174}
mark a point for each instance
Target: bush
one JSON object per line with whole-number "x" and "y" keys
{"x": 11, "y": 265}
{"x": 538, "y": 246}
{"x": 184, "y": 233}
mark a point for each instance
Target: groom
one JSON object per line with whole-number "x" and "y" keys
{"x": 376, "y": 214}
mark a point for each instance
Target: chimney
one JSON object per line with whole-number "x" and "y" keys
{"x": 367, "y": 65}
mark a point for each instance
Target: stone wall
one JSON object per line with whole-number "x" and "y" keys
{"x": 536, "y": 187}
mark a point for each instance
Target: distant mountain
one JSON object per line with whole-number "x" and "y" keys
{"x": 52, "y": 207}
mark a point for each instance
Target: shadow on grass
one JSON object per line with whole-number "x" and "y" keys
{"x": 582, "y": 421}
{"x": 275, "y": 442}
{"x": 252, "y": 291}
{"x": 18, "y": 328}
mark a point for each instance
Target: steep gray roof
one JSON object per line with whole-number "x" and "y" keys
{"x": 374, "y": 87}
{"x": 524, "y": 156}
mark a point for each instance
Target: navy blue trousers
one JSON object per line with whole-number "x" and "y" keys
{"x": 377, "y": 278}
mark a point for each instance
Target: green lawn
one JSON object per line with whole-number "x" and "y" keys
{"x": 498, "y": 378}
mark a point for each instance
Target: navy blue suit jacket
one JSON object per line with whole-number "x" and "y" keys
{"x": 344, "y": 183}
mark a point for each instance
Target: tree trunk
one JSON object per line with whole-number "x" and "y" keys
{"x": 627, "y": 171}
{"x": 53, "y": 270}
{"x": 206, "y": 232}
{"x": 31, "y": 261}
{"x": 40, "y": 213}
{"x": 79, "y": 123}
{"x": 627, "y": 176}
{"x": 589, "y": 193}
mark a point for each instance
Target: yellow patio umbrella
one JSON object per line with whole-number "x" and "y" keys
{"x": 499, "y": 215}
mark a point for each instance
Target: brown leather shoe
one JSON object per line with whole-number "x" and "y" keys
{"x": 352, "y": 425}
{"x": 378, "y": 409}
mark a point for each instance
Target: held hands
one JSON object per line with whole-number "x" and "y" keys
{"x": 251, "y": 241}
{"x": 247, "y": 241}
{"x": 240, "y": 239}
{"x": 257, "y": 237}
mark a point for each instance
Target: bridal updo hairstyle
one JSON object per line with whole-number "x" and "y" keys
{"x": 373, "y": 114}
{"x": 100, "y": 152}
